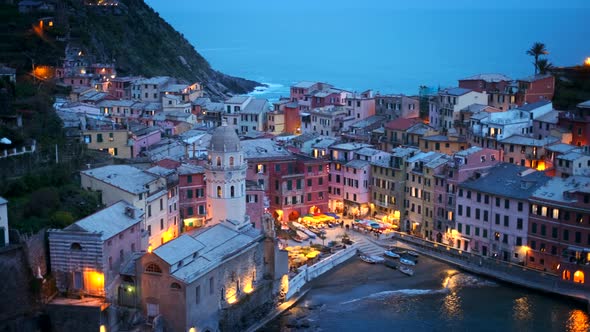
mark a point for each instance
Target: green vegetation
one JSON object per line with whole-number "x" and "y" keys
{"x": 572, "y": 86}
{"x": 537, "y": 50}
{"x": 48, "y": 198}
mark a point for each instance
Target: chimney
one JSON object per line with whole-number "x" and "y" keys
{"x": 130, "y": 212}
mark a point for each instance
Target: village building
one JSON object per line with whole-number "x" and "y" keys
{"x": 449, "y": 103}
{"x": 558, "y": 231}
{"x": 397, "y": 106}
{"x": 499, "y": 88}
{"x": 87, "y": 256}
{"x": 4, "y": 236}
{"x": 145, "y": 191}
{"x": 493, "y": 211}
{"x": 535, "y": 88}
{"x": 578, "y": 123}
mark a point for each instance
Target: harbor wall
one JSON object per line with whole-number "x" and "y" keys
{"x": 308, "y": 273}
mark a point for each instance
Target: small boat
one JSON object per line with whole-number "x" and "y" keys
{"x": 406, "y": 270}
{"x": 407, "y": 261}
{"x": 391, "y": 254}
{"x": 302, "y": 235}
{"x": 367, "y": 259}
{"x": 302, "y": 228}
{"x": 390, "y": 264}
{"x": 377, "y": 259}
{"x": 316, "y": 230}
{"x": 413, "y": 253}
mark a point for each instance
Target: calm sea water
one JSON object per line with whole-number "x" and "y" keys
{"x": 360, "y": 297}
{"x": 387, "y": 49}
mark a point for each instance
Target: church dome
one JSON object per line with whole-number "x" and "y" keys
{"x": 224, "y": 139}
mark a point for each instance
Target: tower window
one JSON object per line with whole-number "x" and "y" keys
{"x": 218, "y": 191}
{"x": 231, "y": 161}
{"x": 232, "y": 191}
{"x": 218, "y": 161}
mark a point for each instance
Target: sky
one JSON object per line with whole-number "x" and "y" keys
{"x": 368, "y": 4}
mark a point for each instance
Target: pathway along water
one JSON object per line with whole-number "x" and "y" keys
{"x": 361, "y": 297}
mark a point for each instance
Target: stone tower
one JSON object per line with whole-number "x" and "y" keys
{"x": 226, "y": 177}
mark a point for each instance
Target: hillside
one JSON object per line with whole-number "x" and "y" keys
{"x": 132, "y": 35}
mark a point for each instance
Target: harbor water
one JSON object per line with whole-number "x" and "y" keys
{"x": 361, "y": 297}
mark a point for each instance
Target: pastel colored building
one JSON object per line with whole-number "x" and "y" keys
{"x": 558, "y": 233}
{"x": 87, "y": 256}
{"x": 493, "y": 211}
{"x": 535, "y": 88}
{"x": 404, "y": 132}
{"x": 463, "y": 166}
{"x": 578, "y": 123}
{"x": 450, "y": 102}
{"x": 4, "y": 239}
{"x": 447, "y": 144}
{"x": 144, "y": 190}
{"x": 388, "y": 184}
{"x": 397, "y": 106}
{"x": 526, "y": 151}
{"x": 498, "y": 87}
{"x": 149, "y": 89}
{"x": 121, "y": 143}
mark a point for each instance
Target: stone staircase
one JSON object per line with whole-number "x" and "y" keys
{"x": 367, "y": 247}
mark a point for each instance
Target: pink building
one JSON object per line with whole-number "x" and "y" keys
{"x": 535, "y": 88}
{"x": 463, "y": 166}
{"x": 88, "y": 256}
{"x": 143, "y": 138}
{"x": 256, "y": 202}
{"x": 493, "y": 211}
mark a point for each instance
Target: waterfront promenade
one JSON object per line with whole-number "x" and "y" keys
{"x": 489, "y": 267}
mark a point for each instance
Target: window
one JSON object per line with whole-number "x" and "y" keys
{"x": 485, "y": 215}
{"x": 289, "y": 185}
{"x": 149, "y": 230}
{"x": 554, "y": 232}
{"x": 189, "y": 179}
{"x": 231, "y": 161}
{"x": 99, "y": 138}
{"x": 497, "y": 219}
{"x": 520, "y": 207}
{"x": 460, "y": 210}
{"x": 75, "y": 246}
{"x": 161, "y": 223}
{"x": 506, "y": 221}
{"x": 519, "y": 223}
{"x": 566, "y": 235}
{"x": 478, "y": 197}
{"x": 153, "y": 268}
{"x": 149, "y": 210}
{"x": 534, "y": 228}
{"x": 218, "y": 161}
{"x": 175, "y": 286}
{"x": 219, "y": 192}
{"x": 198, "y": 294}
{"x": 190, "y": 211}
{"x": 161, "y": 204}
{"x": 189, "y": 193}
{"x": 232, "y": 191}
{"x": 468, "y": 211}
{"x": 506, "y": 204}
{"x": 497, "y": 202}
{"x": 518, "y": 241}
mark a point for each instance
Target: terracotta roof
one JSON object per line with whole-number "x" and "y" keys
{"x": 401, "y": 124}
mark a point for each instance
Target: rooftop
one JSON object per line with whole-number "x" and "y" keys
{"x": 529, "y": 141}
{"x": 350, "y": 146}
{"x": 561, "y": 147}
{"x": 257, "y": 106}
{"x": 534, "y": 78}
{"x": 508, "y": 180}
{"x": 571, "y": 155}
{"x": 490, "y": 78}
{"x": 109, "y": 221}
{"x": 263, "y": 148}
{"x": 304, "y": 84}
{"x": 555, "y": 188}
{"x": 158, "y": 80}
{"x": 468, "y": 152}
{"x": 367, "y": 151}
{"x": 533, "y": 106}
{"x": 444, "y": 138}
{"x": 401, "y": 124}
{"x": 404, "y": 151}
{"x": 550, "y": 117}
{"x": 237, "y": 100}
{"x": 357, "y": 163}
{"x": 456, "y": 91}
{"x": 124, "y": 177}
{"x": 3, "y": 200}
{"x": 205, "y": 249}
{"x": 187, "y": 169}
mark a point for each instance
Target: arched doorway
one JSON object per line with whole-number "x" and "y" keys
{"x": 438, "y": 237}
{"x": 579, "y": 277}
{"x": 314, "y": 210}
{"x": 566, "y": 275}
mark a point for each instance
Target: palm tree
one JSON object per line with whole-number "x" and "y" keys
{"x": 543, "y": 65}
{"x": 536, "y": 51}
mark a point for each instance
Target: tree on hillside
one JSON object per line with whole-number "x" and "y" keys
{"x": 538, "y": 49}
{"x": 544, "y": 66}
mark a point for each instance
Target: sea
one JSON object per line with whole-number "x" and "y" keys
{"x": 385, "y": 46}
{"x": 361, "y": 297}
